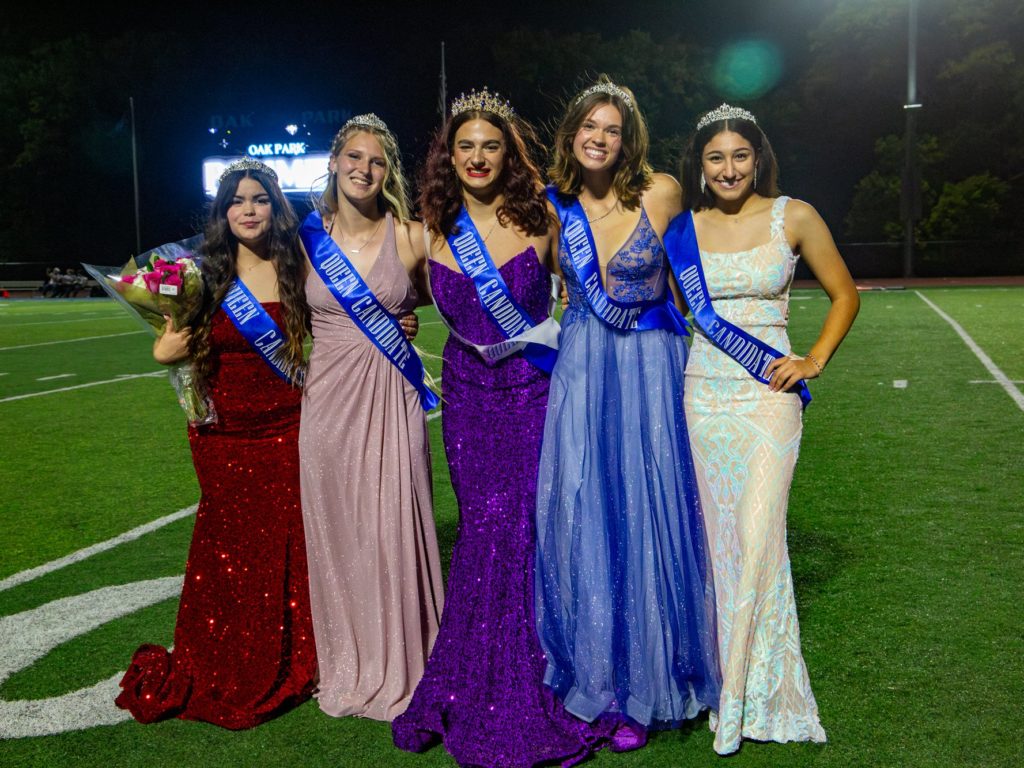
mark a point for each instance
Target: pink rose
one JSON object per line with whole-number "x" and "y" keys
{"x": 152, "y": 281}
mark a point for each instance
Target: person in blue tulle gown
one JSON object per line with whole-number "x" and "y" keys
{"x": 625, "y": 598}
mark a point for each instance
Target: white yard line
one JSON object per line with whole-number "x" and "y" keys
{"x": 123, "y": 377}
{"x": 119, "y": 316}
{"x": 58, "y": 376}
{"x": 71, "y": 341}
{"x": 103, "y": 546}
{"x": 1004, "y": 381}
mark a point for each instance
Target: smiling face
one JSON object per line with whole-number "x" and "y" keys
{"x": 250, "y": 212}
{"x": 360, "y": 166}
{"x": 728, "y": 162}
{"x": 598, "y": 141}
{"x": 478, "y": 154}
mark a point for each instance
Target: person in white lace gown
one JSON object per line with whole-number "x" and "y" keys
{"x": 745, "y": 435}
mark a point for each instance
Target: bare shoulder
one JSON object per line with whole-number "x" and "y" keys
{"x": 664, "y": 198}
{"x": 664, "y": 187}
{"x": 411, "y": 238}
{"x": 800, "y": 215}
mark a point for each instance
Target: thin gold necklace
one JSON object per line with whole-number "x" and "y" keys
{"x": 489, "y": 231}
{"x": 603, "y": 215}
{"x": 367, "y": 240}
{"x": 245, "y": 270}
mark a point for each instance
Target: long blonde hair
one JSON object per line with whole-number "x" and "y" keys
{"x": 394, "y": 192}
{"x": 632, "y": 172}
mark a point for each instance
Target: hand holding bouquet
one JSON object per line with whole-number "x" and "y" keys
{"x": 164, "y": 283}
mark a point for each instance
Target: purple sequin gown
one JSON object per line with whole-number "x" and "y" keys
{"x": 482, "y": 691}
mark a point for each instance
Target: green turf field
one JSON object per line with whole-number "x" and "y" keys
{"x": 906, "y": 533}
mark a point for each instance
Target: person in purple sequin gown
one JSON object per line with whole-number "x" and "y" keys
{"x": 482, "y": 691}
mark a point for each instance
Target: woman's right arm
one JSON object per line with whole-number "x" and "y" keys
{"x": 172, "y": 345}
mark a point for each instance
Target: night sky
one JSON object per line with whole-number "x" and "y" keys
{"x": 270, "y": 63}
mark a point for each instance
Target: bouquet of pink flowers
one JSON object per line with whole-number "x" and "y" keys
{"x": 165, "y": 282}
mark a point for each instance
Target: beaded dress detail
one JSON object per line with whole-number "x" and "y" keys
{"x": 625, "y": 608}
{"x": 483, "y": 692}
{"x": 375, "y": 571}
{"x": 745, "y": 442}
{"x": 243, "y": 642}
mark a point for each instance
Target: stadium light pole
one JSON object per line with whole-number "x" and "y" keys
{"x": 910, "y": 197}
{"x": 135, "y": 178}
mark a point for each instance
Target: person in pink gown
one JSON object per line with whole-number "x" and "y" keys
{"x": 375, "y": 573}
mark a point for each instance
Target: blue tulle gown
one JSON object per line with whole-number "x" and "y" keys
{"x": 625, "y": 597}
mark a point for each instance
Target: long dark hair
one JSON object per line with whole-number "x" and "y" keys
{"x": 691, "y": 166}
{"x": 218, "y": 264}
{"x": 632, "y": 172}
{"x": 440, "y": 197}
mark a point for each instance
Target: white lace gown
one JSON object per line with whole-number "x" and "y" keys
{"x": 745, "y": 441}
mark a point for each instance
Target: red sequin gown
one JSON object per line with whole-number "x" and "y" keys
{"x": 243, "y": 644}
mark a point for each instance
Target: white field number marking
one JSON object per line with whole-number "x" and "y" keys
{"x": 30, "y": 635}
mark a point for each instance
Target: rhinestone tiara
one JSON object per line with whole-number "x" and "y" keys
{"x": 248, "y": 164}
{"x": 485, "y": 101}
{"x": 369, "y": 120}
{"x": 611, "y": 89}
{"x": 725, "y": 112}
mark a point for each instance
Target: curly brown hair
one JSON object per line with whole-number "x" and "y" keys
{"x": 218, "y": 253}
{"x": 440, "y": 198}
{"x": 632, "y": 172}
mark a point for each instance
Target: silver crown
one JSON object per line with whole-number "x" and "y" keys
{"x": 725, "y": 112}
{"x": 248, "y": 164}
{"x": 369, "y": 120}
{"x": 484, "y": 101}
{"x": 611, "y": 89}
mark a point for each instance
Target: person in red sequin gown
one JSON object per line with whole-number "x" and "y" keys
{"x": 243, "y": 643}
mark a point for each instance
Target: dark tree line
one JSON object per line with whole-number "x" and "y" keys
{"x": 834, "y": 114}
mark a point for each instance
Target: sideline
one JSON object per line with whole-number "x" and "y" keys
{"x": 70, "y": 341}
{"x": 62, "y": 562}
{"x": 998, "y": 375}
{"x": 123, "y": 377}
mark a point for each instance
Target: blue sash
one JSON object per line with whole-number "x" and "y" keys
{"x": 496, "y": 300}
{"x": 578, "y": 241}
{"x": 258, "y": 328}
{"x": 752, "y": 354}
{"x": 359, "y": 303}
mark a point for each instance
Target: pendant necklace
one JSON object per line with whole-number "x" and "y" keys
{"x": 367, "y": 240}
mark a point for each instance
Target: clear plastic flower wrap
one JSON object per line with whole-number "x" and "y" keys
{"x": 165, "y": 281}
